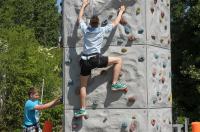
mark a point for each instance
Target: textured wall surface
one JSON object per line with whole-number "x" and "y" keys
{"x": 142, "y": 39}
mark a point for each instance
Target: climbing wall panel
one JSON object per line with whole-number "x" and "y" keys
{"x": 108, "y": 120}
{"x": 142, "y": 39}
{"x": 160, "y": 120}
{"x": 99, "y": 92}
{"x": 131, "y": 29}
{"x": 159, "y": 77}
{"x": 158, "y": 22}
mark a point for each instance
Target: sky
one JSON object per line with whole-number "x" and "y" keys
{"x": 58, "y": 3}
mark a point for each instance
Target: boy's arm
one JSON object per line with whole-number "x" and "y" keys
{"x": 119, "y": 16}
{"x": 85, "y": 3}
{"x": 47, "y": 105}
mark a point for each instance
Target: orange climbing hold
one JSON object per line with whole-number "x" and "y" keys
{"x": 47, "y": 126}
{"x": 195, "y": 126}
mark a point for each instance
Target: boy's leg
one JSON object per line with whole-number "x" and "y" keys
{"x": 83, "y": 83}
{"x": 117, "y": 62}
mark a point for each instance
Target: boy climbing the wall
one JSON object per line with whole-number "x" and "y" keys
{"x": 91, "y": 56}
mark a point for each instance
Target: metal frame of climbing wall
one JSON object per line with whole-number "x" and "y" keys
{"x": 142, "y": 39}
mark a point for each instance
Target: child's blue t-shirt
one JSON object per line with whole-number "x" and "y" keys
{"x": 31, "y": 116}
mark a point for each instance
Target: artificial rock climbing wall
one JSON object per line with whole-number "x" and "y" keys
{"x": 142, "y": 39}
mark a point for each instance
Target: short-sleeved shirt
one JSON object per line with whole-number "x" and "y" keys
{"x": 31, "y": 116}
{"x": 93, "y": 37}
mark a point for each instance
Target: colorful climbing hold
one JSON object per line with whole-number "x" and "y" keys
{"x": 104, "y": 23}
{"x": 70, "y": 82}
{"x": 163, "y": 80}
{"x": 161, "y": 40}
{"x": 127, "y": 29}
{"x": 153, "y": 37}
{"x": 156, "y": 56}
{"x": 154, "y": 72}
{"x": 164, "y": 64}
{"x": 155, "y": 1}
{"x": 138, "y": 11}
{"x": 162, "y": 14}
{"x": 141, "y": 59}
{"x": 105, "y": 119}
{"x": 153, "y": 122}
{"x": 124, "y": 125}
{"x": 123, "y": 50}
{"x": 168, "y": 4}
{"x": 68, "y": 61}
{"x": 133, "y": 117}
{"x": 165, "y": 27}
{"x": 158, "y": 93}
{"x": 140, "y": 31}
{"x": 95, "y": 104}
{"x": 131, "y": 99}
{"x": 133, "y": 126}
{"x": 152, "y": 10}
{"x": 131, "y": 38}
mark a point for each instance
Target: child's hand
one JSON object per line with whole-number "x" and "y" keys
{"x": 85, "y": 2}
{"x": 122, "y": 8}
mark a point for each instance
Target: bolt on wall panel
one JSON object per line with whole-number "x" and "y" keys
{"x": 131, "y": 29}
{"x": 108, "y": 120}
{"x": 99, "y": 90}
{"x": 160, "y": 120}
{"x": 158, "y": 23}
{"x": 159, "y": 77}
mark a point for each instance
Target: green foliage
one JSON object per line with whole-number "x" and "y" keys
{"x": 186, "y": 58}
{"x": 24, "y": 63}
{"x": 40, "y": 15}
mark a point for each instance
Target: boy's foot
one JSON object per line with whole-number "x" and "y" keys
{"x": 118, "y": 86}
{"x": 81, "y": 112}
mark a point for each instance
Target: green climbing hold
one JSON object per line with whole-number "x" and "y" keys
{"x": 123, "y": 50}
{"x": 156, "y": 56}
{"x": 94, "y": 105}
{"x": 138, "y": 11}
{"x": 161, "y": 40}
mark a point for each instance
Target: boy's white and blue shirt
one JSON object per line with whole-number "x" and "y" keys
{"x": 93, "y": 37}
{"x": 31, "y": 116}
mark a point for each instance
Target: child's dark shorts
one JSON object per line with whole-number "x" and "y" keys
{"x": 89, "y": 62}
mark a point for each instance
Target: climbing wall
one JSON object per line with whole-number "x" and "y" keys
{"x": 142, "y": 40}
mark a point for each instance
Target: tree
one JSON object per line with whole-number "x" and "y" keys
{"x": 186, "y": 57}
{"x": 40, "y": 15}
{"x": 24, "y": 63}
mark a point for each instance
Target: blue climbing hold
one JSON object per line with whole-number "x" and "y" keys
{"x": 127, "y": 29}
{"x": 140, "y": 31}
{"x": 68, "y": 61}
{"x": 164, "y": 64}
{"x": 70, "y": 82}
{"x": 124, "y": 125}
{"x": 156, "y": 56}
{"x": 104, "y": 23}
